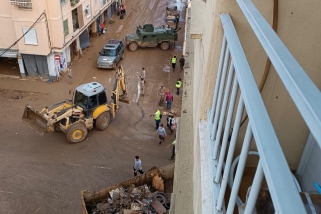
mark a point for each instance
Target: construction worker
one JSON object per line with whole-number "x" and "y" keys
{"x": 158, "y": 117}
{"x": 178, "y": 85}
{"x": 173, "y": 63}
{"x": 161, "y": 94}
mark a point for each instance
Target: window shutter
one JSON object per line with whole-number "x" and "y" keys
{"x": 31, "y": 36}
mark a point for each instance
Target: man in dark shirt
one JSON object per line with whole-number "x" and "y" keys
{"x": 182, "y": 63}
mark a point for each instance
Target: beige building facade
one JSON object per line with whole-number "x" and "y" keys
{"x": 295, "y": 23}
{"x": 51, "y": 33}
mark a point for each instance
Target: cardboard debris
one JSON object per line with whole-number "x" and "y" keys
{"x": 158, "y": 183}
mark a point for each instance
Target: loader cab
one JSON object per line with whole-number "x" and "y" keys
{"x": 89, "y": 96}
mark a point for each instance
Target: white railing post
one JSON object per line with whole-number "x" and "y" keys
{"x": 240, "y": 170}
{"x": 220, "y": 93}
{"x": 230, "y": 153}
{"x": 255, "y": 190}
{"x": 226, "y": 131}
{"x": 222, "y": 114}
{"x": 218, "y": 78}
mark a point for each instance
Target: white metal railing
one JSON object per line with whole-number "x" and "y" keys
{"x": 234, "y": 68}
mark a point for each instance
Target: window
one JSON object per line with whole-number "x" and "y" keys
{"x": 62, "y": 2}
{"x": 102, "y": 98}
{"x": 66, "y": 29}
{"x": 31, "y": 36}
{"x": 101, "y": 3}
{"x": 87, "y": 11}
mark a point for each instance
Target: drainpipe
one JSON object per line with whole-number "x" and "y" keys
{"x": 62, "y": 21}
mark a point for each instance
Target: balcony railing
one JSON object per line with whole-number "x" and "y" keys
{"x": 235, "y": 77}
{"x": 74, "y": 2}
{"x": 23, "y": 4}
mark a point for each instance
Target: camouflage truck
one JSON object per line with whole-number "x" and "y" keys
{"x": 150, "y": 36}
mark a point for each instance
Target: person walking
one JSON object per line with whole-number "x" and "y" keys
{"x": 143, "y": 75}
{"x": 161, "y": 134}
{"x": 173, "y": 149}
{"x": 178, "y": 85}
{"x": 169, "y": 99}
{"x": 101, "y": 27}
{"x": 168, "y": 120}
{"x": 173, "y": 63}
{"x": 182, "y": 62}
{"x": 161, "y": 94}
{"x": 70, "y": 75}
{"x": 137, "y": 166}
{"x": 142, "y": 81}
{"x": 158, "y": 117}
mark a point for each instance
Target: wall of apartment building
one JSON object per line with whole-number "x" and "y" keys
{"x": 303, "y": 44}
{"x": 7, "y": 36}
{"x": 297, "y": 28}
{"x": 13, "y": 20}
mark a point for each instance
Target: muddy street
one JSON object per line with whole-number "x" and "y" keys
{"x": 45, "y": 174}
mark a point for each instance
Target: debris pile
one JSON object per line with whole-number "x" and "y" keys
{"x": 133, "y": 200}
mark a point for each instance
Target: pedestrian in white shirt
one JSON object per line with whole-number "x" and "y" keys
{"x": 138, "y": 166}
{"x": 161, "y": 134}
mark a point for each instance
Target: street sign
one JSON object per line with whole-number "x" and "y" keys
{"x": 57, "y": 57}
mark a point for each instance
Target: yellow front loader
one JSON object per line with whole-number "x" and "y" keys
{"x": 76, "y": 117}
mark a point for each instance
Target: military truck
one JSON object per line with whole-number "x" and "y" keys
{"x": 150, "y": 36}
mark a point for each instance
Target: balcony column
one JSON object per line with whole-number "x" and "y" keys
{"x": 78, "y": 48}
{"x": 94, "y": 28}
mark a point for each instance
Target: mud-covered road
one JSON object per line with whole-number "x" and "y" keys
{"x": 45, "y": 174}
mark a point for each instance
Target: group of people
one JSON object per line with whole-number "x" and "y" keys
{"x": 122, "y": 9}
{"x": 181, "y": 63}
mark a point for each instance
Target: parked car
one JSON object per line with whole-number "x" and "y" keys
{"x": 110, "y": 55}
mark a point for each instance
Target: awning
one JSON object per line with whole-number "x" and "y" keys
{"x": 9, "y": 53}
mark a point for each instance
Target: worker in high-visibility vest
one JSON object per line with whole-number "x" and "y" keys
{"x": 158, "y": 117}
{"x": 178, "y": 85}
{"x": 173, "y": 63}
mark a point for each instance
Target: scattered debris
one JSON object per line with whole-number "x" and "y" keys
{"x": 134, "y": 200}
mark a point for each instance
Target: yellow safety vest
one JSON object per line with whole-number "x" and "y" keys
{"x": 173, "y": 60}
{"x": 178, "y": 84}
{"x": 157, "y": 115}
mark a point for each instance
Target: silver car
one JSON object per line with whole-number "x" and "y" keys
{"x": 110, "y": 55}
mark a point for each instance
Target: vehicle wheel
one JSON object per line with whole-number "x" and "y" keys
{"x": 164, "y": 46}
{"x": 103, "y": 120}
{"x": 123, "y": 55}
{"x": 133, "y": 46}
{"x": 76, "y": 132}
{"x": 115, "y": 66}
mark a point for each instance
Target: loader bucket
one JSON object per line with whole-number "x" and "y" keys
{"x": 123, "y": 98}
{"x": 34, "y": 120}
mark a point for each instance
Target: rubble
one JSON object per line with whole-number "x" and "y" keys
{"x": 134, "y": 200}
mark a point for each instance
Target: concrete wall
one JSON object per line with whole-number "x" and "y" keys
{"x": 303, "y": 44}
{"x": 297, "y": 27}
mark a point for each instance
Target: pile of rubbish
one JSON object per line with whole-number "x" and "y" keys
{"x": 133, "y": 200}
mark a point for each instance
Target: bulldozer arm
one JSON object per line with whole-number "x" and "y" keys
{"x": 35, "y": 120}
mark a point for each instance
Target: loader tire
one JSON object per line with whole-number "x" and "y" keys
{"x": 76, "y": 132}
{"x": 103, "y": 120}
